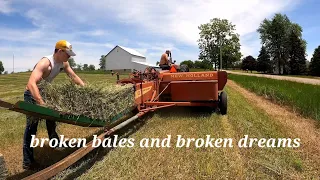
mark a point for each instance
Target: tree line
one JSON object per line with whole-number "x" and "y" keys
{"x": 283, "y": 50}
{"x": 80, "y": 67}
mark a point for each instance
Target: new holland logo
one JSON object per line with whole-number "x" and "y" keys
{"x": 144, "y": 91}
{"x": 193, "y": 75}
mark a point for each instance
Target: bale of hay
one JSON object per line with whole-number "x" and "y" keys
{"x": 97, "y": 101}
{"x": 3, "y": 169}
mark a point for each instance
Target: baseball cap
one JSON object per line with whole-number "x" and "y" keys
{"x": 66, "y": 46}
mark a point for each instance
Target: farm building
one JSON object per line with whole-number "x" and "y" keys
{"x": 122, "y": 58}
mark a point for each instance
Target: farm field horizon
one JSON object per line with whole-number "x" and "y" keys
{"x": 248, "y": 114}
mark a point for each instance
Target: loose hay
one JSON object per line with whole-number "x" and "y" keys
{"x": 3, "y": 169}
{"x": 100, "y": 101}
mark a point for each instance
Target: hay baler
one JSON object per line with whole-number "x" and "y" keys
{"x": 159, "y": 89}
{"x": 153, "y": 90}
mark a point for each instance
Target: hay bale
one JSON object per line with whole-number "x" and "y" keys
{"x": 97, "y": 101}
{"x": 3, "y": 169}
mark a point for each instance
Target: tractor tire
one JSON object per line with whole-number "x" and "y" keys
{"x": 223, "y": 103}
{"x": 184, "y": 68}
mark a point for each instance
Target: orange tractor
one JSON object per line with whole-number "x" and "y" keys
{"x": 165, "y": 88}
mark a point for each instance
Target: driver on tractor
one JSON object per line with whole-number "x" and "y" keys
{"x": 165, "y": 61}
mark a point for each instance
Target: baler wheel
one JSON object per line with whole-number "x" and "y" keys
{"x": 223, "y": 103}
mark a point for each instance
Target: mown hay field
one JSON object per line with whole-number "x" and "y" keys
{"x": 244, "y": 118}
{"x": 12, "y": 124}
{"x": 303, "y": 98}
{"x": 191, "y": 162}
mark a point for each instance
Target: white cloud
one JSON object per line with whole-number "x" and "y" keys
{"x": 173, "y": 23}
{"x": 5, "y": 7}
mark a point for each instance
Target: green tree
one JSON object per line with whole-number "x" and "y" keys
{"x": 85, "y": 67}
{"x": 249, "y": 63}
{"x": 91, "y": 67}
{"x": 274, "y": 34}
{"x": 157, "y": 63}
{"x": 1, "y": 67}
{"x": 297, "y": 53}
{"x": 263, "y": 61}
{"x": 189, "y": 63}
{"x": 102, "y": 63}
{"x": 79, "y": 67}
{"x": 217, "y": 38}
{"x": 72, "y": 63}
{"x": 315, "y": 63}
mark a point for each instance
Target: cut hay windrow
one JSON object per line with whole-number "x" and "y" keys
{"x": 101, "y": 101}
{"x": 3, "y": 169}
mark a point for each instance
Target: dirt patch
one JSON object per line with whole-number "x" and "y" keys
{"x": 305, "y": 129}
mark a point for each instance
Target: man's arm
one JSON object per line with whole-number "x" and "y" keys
{"x": 35, "y": 77}
{"x": 72, "y": 74}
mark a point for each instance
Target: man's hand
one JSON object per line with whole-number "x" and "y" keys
{"x": 41, "y": 103}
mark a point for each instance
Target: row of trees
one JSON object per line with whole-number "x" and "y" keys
{"x": 86, "y": 67}
{"x": 80, "y": 67}
{"x": 197, "y": 64}
{"x": 283, "y": 49}
{"x": 282, "y": 41}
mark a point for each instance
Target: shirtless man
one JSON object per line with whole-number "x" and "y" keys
{"x": 165, "y": 61}
{"x": 46, "y": 69}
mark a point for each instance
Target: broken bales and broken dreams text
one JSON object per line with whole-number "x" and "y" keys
{"x": 168, "y": 142}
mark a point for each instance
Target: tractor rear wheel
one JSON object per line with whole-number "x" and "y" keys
{"x": 223, "y": 103}
{"x": 184, "y": 68}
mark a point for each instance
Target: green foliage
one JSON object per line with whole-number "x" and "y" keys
{"x": 189, "y": 63}
{"x": 275, "y": 36}
{"x": 219, "y": 36}
{"x": 297, "y": 56}
{"x": 1, "y": 67}
{"x": 204, "y": 64}
{"x": 102, "y": 63}
{"x": 249, "y": 63}
{"x": 85, "y": 67}
{"x": 315, "y": 63}
{"x": 263, "y": 61}
{"x": 302, "y": 97}
{"x": 79, "y": 67}
{"x": 91, "y": 67}
{"x": 72, "y": 63}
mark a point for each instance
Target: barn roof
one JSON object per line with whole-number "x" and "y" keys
{"x": 129, "y": 50}
{"x": 144, "y": 63}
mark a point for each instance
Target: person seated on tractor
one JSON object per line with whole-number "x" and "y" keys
{"x": 165, "y": 63}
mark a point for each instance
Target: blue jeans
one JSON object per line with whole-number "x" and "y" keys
{"x": 31, "y": 129}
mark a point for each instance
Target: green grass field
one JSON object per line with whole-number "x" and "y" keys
{"x": 304, "y": 98}
{"x": 243, "y": 118}
{"x": 256, "y": 72}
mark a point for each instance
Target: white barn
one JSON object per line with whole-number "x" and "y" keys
{"x": 122, "y": 58}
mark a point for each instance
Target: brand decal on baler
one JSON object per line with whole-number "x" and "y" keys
{"x": 144, "y": 91}
{"x": 192, "y": 75}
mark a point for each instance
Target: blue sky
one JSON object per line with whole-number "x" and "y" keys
{"x": 29, "y": 29}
